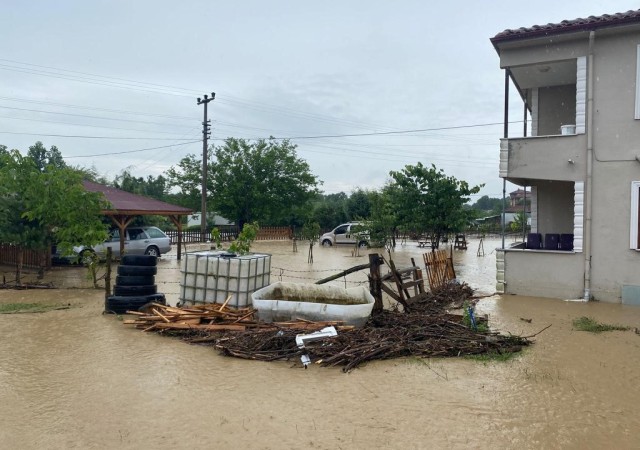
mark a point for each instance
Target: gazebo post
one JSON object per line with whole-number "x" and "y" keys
{"x": 122, "y": 222}
{"x": 178, "y": 223}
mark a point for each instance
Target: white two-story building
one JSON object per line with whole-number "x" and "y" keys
{"x": 579, "y": 81}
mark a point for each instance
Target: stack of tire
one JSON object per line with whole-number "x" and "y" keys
{"x": 135, "y": 285}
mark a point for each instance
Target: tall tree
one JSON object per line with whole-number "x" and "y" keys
{"x": 43, "y": 157}
{"x": 262, "y": 181}
{"x": 427, "y": 200}
{"x": 38, "y": 208}
{"x": 150, "y": 187}
{"x": 330, "y": 210}
{"x": 359, "y": 204}
{"x": 187, "y": 177}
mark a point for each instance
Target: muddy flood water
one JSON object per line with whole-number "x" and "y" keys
{"x": 75, "y": 378}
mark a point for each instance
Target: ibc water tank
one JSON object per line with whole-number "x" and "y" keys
{"x": 210, "y": 277}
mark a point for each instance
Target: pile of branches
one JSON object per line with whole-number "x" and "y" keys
{"x": 448, "y": 296}
{"x": 386, "y": 335}
{"x": 426, "y": 331}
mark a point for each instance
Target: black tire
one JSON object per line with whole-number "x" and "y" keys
{"x": 326, "y": 243}
{"x": 363, "y": 244}
{"x": 137, "y": 270}
{"x": 120, "y": 305}
{"x": 133, "y": 291}
{"x": 135, "y": 280}
{"x": 153, "y": 251}
{"x": 138, "y": 260}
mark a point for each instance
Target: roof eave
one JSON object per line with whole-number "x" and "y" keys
{"x": 501, "y": 38}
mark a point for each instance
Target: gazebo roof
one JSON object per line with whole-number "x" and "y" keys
{"x": 128, "y": 204}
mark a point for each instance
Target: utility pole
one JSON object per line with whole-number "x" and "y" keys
{"x": 206, "y": 130}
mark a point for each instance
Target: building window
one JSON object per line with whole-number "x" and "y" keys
{"x": 635, "y": 216}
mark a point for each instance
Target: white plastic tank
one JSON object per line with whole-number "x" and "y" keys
{"x": 210, "y": 277}
{"x": 567, "y": 129}
{"x": 283, "y": 301}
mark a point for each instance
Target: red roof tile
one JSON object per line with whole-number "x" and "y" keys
{"x": 568, "y": 26}
{"x": 127, "y": 203}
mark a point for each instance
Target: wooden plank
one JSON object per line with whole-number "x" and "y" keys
{"x": 186, "y": 326}
{"x": 158, "y": 313}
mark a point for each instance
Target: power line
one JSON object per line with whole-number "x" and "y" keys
{"x": 88, "y": 137}
{"x": 403, "y": 159}
{"x": 119, "y": 111}
{"x": 98, "y": 76}
{"x": 89, "y": 81}
{"x": 90, "y": 117}
{"x": 86, "y": 125}
{"x": 125, "y": 83}
{"x": 403, "y": 155}
{"x": 131, "y": 151}
{"x": 400, "y": 132}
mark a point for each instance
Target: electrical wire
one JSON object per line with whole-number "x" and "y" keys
{"x": 91, "y": 117}
{"x": 130, "y": 151}
{"x": 88, "y": 125}
{"x": 119, "y": 111}
{"x": 88, "y": 136}
{"x": 386, "y": 133}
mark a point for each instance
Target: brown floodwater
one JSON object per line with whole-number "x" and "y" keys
{"x": 78, "y": 379}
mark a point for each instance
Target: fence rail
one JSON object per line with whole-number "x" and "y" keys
{"x": 30, "y": 258}
{"x": 230, "y": 232}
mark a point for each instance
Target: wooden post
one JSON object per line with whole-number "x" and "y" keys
{"x": 375, "y": 282}
{"x": 179, "y": 225}
{"x": 107, "y": 277}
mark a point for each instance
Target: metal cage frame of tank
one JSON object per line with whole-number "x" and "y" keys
{"x": 214, "y": 277}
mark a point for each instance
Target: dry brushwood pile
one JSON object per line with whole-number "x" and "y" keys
{"x": 427, "y": 331}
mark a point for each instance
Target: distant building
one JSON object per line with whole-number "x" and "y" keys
{"x": 195, "y": 220}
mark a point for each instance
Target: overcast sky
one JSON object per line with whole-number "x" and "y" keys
{"x": 299, "y": 69}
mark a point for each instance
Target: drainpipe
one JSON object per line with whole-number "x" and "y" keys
{"x": 524, "y": 215}
{"x": 507, "y": 74}
{"x": 589, "y": 181}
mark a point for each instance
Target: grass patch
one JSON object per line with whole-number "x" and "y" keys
{"x": 19, "y": 308}
{"x": 492, "y": 356}
{"x": 593, "y": 326}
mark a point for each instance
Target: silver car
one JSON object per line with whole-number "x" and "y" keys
{"x": 138, "y": 241}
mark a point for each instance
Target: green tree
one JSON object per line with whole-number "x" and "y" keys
{"x": 187, "y": 177}
{"x": 382, "y": 225}
{"x": 39, "y": 208}
{"x": 427, "y": 200}
{"x": 359, "y": 205}
{"x": 262, "y": 180}
{"x": 43, "y": 157}
{"x": 519, "y": 222}
{"x": 153, "y": 187}
{"x": 330, "y": 210}
{"x": 311, "y": 232}
{"x": 487, "y": 205}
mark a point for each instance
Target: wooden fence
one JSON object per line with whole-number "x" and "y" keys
{"x": 439, "y": 265}
{"x": 275, "y": 233}
{"x": 30, "y": 258}
{"x": 230, "y": 232}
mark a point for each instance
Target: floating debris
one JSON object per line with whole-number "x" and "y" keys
{"x": 427, "y": 331}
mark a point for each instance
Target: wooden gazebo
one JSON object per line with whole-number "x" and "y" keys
{"x": 125, "y": 206}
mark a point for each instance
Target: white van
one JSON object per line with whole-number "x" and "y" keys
{"x": 343, "y": 234}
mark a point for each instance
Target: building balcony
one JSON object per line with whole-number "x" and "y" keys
{"x": 556, "y": 157}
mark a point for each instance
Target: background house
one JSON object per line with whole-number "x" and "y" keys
{"x": 578, "y": 154}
